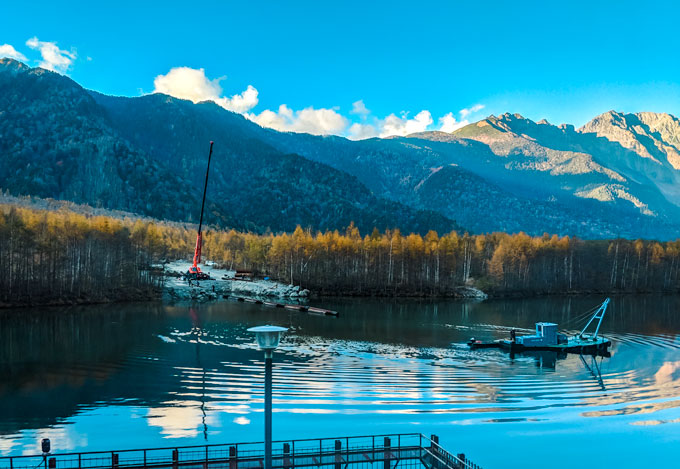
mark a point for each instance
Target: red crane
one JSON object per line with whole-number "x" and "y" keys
{"x": 195, "y": 271}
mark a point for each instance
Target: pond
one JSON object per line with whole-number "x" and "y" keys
{"x": 109, "y": 377}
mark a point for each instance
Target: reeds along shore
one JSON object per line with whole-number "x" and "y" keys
{"x": 55, "y": 256}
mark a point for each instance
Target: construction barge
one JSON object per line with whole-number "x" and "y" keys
{"x": 547, "y": 338}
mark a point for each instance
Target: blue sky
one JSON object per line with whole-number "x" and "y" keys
{"x": 409, "y": 63}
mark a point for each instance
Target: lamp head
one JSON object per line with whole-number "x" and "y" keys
{"x": 268, "y": 337}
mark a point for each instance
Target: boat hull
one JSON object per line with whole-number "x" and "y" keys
{"x": 581, "y": 346}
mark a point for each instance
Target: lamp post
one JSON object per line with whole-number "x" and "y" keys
{"x": 268, "y": 338}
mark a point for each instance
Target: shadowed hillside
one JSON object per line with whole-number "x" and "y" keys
{"x": 148, "y": 155}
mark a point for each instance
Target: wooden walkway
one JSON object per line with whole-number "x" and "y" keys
{"x": 294, "y": 307}
{"x": 376, "y": 451}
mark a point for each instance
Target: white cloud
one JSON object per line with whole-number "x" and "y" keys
{"x": 359, "y": 108}
{"x": 448, "y": 123}
{"x": 53, "y": 58}
{"x": 361, "y": 131}
{"x": 7, "y": 50}
{"x": 188, "y": 83}
{"x": 314, "y": 121}
{"x": 400, "y": 126}
{"x": 242, "y": 420}
{"x": 194, "y": 85}
{"x": 240, "y": 103}
{"x": 471, "y": 110}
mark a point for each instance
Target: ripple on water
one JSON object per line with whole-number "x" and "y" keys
{"x": 318, "y": 374}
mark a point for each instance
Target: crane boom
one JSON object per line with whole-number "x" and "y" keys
{"x": 205, "y": 188}
{"x": 599, "y": 314}
{"x": 195, "y": 270}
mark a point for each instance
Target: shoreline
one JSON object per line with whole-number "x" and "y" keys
{"x": 141, "y": 298}
{"x": 160, "y": 296}
{"x": 222, "y": 285}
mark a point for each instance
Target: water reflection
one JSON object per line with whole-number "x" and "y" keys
{"x": 594, "y": 366}
{"x": 181, "y": 419}
{"x": 192, "y": 374}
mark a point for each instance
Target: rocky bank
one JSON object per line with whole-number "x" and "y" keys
{"x": 222, "y": 283}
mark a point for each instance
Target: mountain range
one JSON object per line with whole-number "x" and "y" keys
{"x": 617, "y": 175}
{"x": 148, "y": 155}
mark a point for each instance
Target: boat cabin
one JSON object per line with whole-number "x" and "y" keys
{"x": 546, "y": 334}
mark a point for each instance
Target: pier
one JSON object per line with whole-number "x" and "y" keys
{"x": 404, "y": 450}
{"x": 294, "y": 307}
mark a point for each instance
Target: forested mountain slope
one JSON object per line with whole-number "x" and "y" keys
{"x": 148, "y": 155}
{"x": 55, "y": 141}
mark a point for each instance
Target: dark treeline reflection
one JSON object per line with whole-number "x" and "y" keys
{"x": 54, "y": 360}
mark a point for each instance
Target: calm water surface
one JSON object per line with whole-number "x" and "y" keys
{"x": 129, "y": 376}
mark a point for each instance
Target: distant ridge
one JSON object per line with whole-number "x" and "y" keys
{"x": 618, "y": 175}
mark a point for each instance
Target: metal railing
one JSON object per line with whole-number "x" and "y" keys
{"x": 339, "y": 452}
{"x": 439, "y": 458}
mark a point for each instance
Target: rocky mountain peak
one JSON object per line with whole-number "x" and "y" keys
{"x": 606, "y": 118}
{"x": 650, "y": 135}
{"x": 15, "y": 67}
{"x": 11, "y": 65}
{"x": 665, "y": 125}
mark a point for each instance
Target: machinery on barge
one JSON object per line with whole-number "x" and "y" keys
{"x": 548, "y": 338}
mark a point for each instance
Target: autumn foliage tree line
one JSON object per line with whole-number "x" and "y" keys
{"x": 393, "y": 263}
{"x": 63, "y": 258}
{"x": 63, "y": 255}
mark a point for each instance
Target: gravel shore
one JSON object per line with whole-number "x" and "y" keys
{"x": 222, "y": 283}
